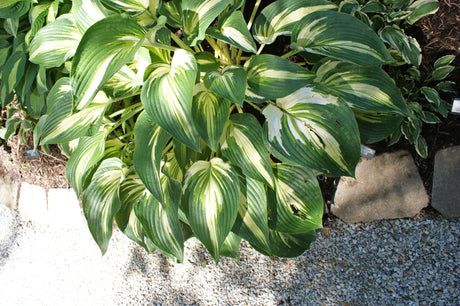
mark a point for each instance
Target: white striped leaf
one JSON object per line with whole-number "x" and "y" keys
{"x": 210, "y": 202}
{"x": 150, "y": 142}
{"x": 89, "y": 151}
{"x": 161, "y": 220}
{"x": 315, "y": 131}
{"x": 14, "y": 8}
{"x": 231, "y": 246}
{"x": 104, "y": 48}
{"x": 252, "y": 222}
{"x": 206, "y": 61}
{"x": 298, "y": 205}
{"x": 88, "y": 12}
{"x": 421, "y": 8}
{"x": 210, "y": 113}
{"x": 197, "y": 15}
{"x": 407, "y": 46}
{"x": 280, "y": 17}
{"x": 274, "y": 77}
{"x": 234, "y": 31}
{"x": 243, "y": 145}
{"x": 130, "y": 6}
{"x": 339, "y": 36}
{"x": 130, "y": 192}
{"x": 167, "y": 97}
{"x": 100, "y": 202}
{"x": 229, "y": 83}
{"x": 55, "y": 43}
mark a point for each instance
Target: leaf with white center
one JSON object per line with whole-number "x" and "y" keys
{"x": 339, "y": 36}
{"x": 55, "y": 43}
{"x": 243, "y": 145}
{"x": 161, "y": 220}
{"x": 421, "y": 8}
{"x": 104, "y": 48}
{"x": 210, "y": 202}
{"x": 251, "y": 222}
{"x": 89, "y": 151}
{"x": 210, "y": 113}
{"x": 134, "y": 7}
{"x": 197, "y": 15}
{"x": 88, "y": 12}
{"x": 234, "y": 31}
{"x": 167, "y": 97}
{"x": 407, "y": 46}
{"x": 130, "y": 192}
{"x": 150, "y": 142}
{"x": 298, "y": 205}
{"x": 229, "y": 83}
{"x": 274, "y": 77}
{"x": 315, "y": 131}
{"x": 99, "y": 200}
{"x": 14, "y": 8}
{"x": 280, "y": 17}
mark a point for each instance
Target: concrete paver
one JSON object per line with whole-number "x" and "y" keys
{"x": 64, "y": 208}
{"x": 8, "y": 193}
{"x": 32, "y": 203}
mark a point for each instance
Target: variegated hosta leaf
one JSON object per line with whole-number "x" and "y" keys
{"x": 210, "y": 113}
{"x": 229, "y": 83}
{"x": 105, "y": 47}
{"x": 89, "y": 151}
{"x": 407, "y": 46}
{"x": 129, "y": 6}
{"x": 161, "y": 221}
{"x": 60, "y": 125}
{"x": 130, "y": 192}
{"x": 243, "y": 145}
{"x": 197, "y": 15}
{"x": 100, "y": 202}
{"x": 252, "y": 222}
{"x": 210, "y": 201}
{"x": 14, "y": 8}
{"x": 298, "y": 206}
{"x": 339, "y": 36}
{"x": 231, "y": 246}
{"x": 363, "y": 88}
{"x": 421, "y": 8}
{"x": 280, "y": 17}
{"x": 167, "y": 97}
{"x": 376, "y": 126}
{"x": 206, "y": 61}
{"x": 287, "y": 245}
{"x": 150, "y": 142}
{"x": 88, "y": 12}
{"x": 274, "y": 77}
{"x": 55, "y": 43}
{"x": 234, "y": 31}
{"x": 315, "y": 131}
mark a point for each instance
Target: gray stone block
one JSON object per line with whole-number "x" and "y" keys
{"x": 64, "y": 209}
{"x": 32, "y": 203}
{"x": 8, "y": 193}
{"x": 445, "y": 196}
{"x": 386, "y": 187}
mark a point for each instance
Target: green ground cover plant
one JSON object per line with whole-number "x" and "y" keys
{"x": 180, "y": 125}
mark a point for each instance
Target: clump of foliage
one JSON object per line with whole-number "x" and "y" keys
{"x": 179, "y": 125}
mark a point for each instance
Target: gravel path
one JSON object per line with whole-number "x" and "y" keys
{"x": 400, "y": 262}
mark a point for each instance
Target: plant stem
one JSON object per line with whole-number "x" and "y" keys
{"x": 180, "y": 43}
{"x": 253, "y": 15}
{"x": 119, "y": 112}
{"x": 254, "y": 106}
{"x": 260, "y": 48}
{"x": 290, "y": 53}
{"x": 124, "y": 118}
{"x": 218, "y": 50}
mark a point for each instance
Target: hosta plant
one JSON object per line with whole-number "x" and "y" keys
{"x": 188, "y": 119}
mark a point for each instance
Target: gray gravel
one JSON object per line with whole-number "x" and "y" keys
{"x": 399, "y": 262}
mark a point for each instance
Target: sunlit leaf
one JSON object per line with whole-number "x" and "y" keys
{"x": 229, "y": 83}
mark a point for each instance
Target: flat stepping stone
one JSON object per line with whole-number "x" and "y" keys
{"x": 32, "y": 204}
{"x": 386, "y": 187}
{"x": 445, "y": 196}
{"x": 8, "y": 193}
{"x": 64, "y": 209}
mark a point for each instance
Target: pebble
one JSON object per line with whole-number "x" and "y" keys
{"x": 381, "y": 262}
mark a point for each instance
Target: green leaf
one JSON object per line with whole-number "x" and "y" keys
{"x": 11, "y": 127}
{"x": 197, "y": 15}
{"x": 130, "y": 6}
{"x": 167, "y": 97}
{"x": 229, "y": 83}
{"x": 13, "y": 71}
{"x": 231, "y": 246}
{"x": 161, "y": 222}
{"x": 339, "y": 36}
{"x": 280, "y": 17}
{"x": 89, "y": 151}
{"x": 376, "y": 126}
{"x": 431, "y": 95}
{"x": 234, "y": 31}
{"x": 210, "y": 113}
{"x": 99, "y": 200}
{"x": 206, "y": 61}
{"x": 288, "y": 245}
{"x": 150, "y": 142}
{"x": 421, "y": 147}
{"x": 420, "y": 9}
{"x": 55, "y": 43}
{"x": 14, "y": 8}
{"x": 11, "y": 26}
{"x": 104, "y": 48}
{"x": 172, "y": 10}
{"x": 210, "y": 202}
{"x": 444, "y": 61}
{"x": 88, "y": 12}
{"x": 37, "y": 17}
{"x": 298, "y": 206}
{"x": 441, "y": 73}
{"x": 274, "y": 77}
{"x": 242, "y": 144}
{"x": 407, "y": 46}
{"x": 315, "y": 131}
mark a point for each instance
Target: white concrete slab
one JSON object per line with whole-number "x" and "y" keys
{"x": 8, "y": 193}
{"x": 64, "y": 209}
{"x": 32, "y": 203}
